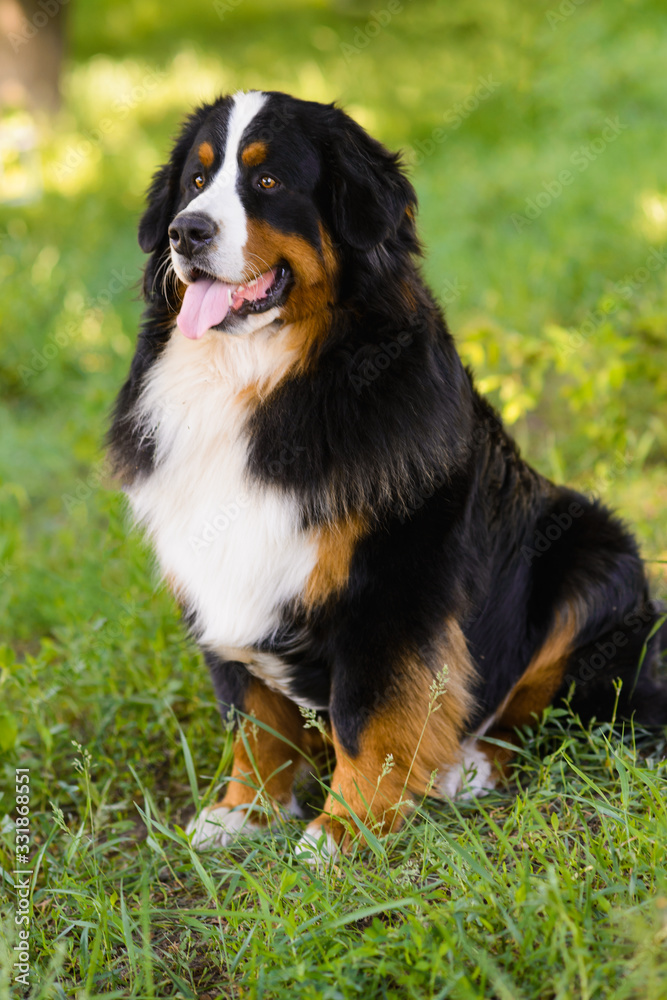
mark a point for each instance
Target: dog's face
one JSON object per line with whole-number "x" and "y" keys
{"x": 262, "y": 202}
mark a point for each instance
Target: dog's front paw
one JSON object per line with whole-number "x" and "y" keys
{"x": 317, "y": 846}
{"x": 216, "y": 826}
{"x": 472, "y": 777}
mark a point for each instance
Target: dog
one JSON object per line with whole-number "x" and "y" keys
{"x": 343, "y": 519}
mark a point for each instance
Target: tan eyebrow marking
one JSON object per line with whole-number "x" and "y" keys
{"x": 254, "y": 154}
{"x": 206, "y": 154}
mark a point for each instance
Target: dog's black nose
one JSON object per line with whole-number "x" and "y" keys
{"x": 190, "y": 234}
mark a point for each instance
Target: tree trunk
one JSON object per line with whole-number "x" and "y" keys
{"x": 32, "y": 38}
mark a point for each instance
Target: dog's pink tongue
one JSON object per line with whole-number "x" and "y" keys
{"x": 205, "y": 304}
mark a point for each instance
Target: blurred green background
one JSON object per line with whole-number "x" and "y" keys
{"x": 556, "y": 297}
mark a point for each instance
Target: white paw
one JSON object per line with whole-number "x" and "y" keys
{"x": 294, "y": 809}
{"x": 471, "y": 778}
{"x": 316, "y": 846}
{"x": 216, "y": 826}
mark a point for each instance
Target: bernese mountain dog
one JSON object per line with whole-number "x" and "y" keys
{"x": 346, "y": 524}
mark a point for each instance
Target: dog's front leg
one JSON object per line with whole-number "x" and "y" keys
{"x": 390, "y": 740}
{"x": 268, "y": 749}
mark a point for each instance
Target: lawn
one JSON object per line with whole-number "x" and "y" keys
{"x": 534, "y": 134}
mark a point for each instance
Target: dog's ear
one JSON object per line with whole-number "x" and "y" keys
{"x": 370, "y": 192}
{"x": 161, "y": 197}
{"x": 163, "y": 192}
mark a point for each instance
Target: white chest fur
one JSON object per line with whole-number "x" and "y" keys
{"x": 233, "y": 549}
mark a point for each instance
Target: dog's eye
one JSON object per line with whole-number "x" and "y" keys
{"x": 198, "y": 180}
{"x": 267, "y": 182}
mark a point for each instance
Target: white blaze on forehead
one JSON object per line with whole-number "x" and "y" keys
{"x": 221, "y": 200}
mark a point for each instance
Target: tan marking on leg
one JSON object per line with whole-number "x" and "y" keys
{"x": 421, "y": 732}
{"x": 537, "y": 686}
{"x": 206, "y": 154}
{"x": 336, "y": 544}
{"x": 263, "y": 770}
{"x": 534, "y": 690}
{"x": 259, "y": 756}
{"x": 254, "y": 154}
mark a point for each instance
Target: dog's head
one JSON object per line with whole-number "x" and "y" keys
{"x": 264, "y": 204}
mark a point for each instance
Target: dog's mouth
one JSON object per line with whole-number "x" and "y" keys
{"x": 208, "y": 301}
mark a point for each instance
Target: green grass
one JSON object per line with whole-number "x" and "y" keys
{"x": 552, "y": 888}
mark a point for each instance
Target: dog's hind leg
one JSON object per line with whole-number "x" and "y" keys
{"x": 628, "y": 652}
{"x": 588, "y": 674}
{"x": 484, "y": 763}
